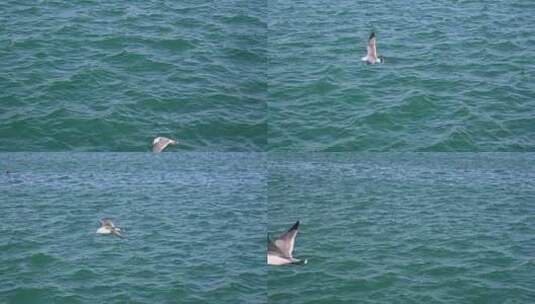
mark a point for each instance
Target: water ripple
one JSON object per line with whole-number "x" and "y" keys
{"x": 184, "y": 227}
{"x": 404, "y": 228}
{"x": 441, "y": 56}
{"x": 121, "y": 74}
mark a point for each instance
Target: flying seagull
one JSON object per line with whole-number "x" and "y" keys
{"x": 371, "y": 57}
{"x": 159, "y": 143}
{"x": 279, "y": 251}
{"x": 107, "y": 227}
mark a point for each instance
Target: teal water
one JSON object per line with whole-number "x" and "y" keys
{"x": 458, "y": 76}
{"x": 405, "y": 228}
{"x": 109, "y": 76}
{"x": 380, "y": 228}
{"x": 195, "y": 225}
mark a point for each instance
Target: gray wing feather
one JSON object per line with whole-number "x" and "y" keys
{"x": 272, "y": 247}
{"x": 107, "y": 222}
{"x": 159, "y": 146}
{"x": 372, "y": 51}
{"x": 116, "y": 233}
{"x": 285, "y": 243}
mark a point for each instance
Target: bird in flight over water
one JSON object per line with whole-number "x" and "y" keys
{"x": 371, "y": 57}
{"x": 279, "y": 251}
{"x": 107, "y": 227}
{"x": 160, "y": 143}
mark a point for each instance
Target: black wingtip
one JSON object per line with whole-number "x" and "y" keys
{"x": 295, "y": 226}
{"x": 372, "y": 35}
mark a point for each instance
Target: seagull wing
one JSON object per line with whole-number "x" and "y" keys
{"x": 271, "y": 246}
{"x": 160, "y": 143}
{"x": 372, "y": 51}
{"x": 285, "y": 243}
{"x": 158, "y": 146}
{"x": 107, "y": 222}
{"x": 117, "y": 233}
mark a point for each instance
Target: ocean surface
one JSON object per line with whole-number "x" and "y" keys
{"x": 458, "y": 75}
{"x": 195, "y": 226}
{"x": 87, "y": 75}
{"x": 404, "y": 228}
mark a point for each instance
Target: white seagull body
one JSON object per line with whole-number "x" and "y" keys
{"x": 107, "y": 227}
{"x": 371, "y": 57}
{"x": 160, "y": 143}
{"x": 280, "y": 250}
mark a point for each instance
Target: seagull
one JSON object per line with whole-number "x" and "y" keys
{"x": 159, "y": 143}
{"x": 371, "y": 57}
{"x": 107, "y": 227}
{"x": 280, "y": 250}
